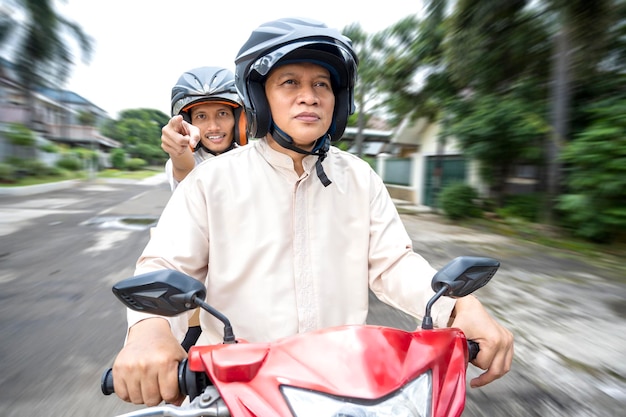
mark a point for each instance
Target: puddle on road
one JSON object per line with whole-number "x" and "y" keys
{"x": 619, "y": 308}
{"x": 122, "y": 222}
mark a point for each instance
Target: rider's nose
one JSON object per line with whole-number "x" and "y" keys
{"x": 308, "y": 95}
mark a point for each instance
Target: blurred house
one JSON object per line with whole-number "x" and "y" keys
{"x": 415, "y": 160}
{"x": 375, "y": 141}
{"x": 56, "y": 116}
{"x": 379, "y": 138}
{"x": 422, "y": 161}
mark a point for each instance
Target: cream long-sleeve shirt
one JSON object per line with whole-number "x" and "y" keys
{"x": 282, "y": 254}
{"x": 198, "y": 156}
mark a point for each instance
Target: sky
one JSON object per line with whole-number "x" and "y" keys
{"x": 141, "y": 47}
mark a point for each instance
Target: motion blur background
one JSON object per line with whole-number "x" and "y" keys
{"x": 519, "y": 101}
{"x": 507, "y": 115}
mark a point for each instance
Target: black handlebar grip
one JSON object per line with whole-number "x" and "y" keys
{"x": 106, "y": 382}
{"x": 473, "y": 349}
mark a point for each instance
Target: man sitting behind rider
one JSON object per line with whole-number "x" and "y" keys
{"x": 207, "y": 120}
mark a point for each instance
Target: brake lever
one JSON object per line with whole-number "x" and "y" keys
{"x": 207, "y": 404}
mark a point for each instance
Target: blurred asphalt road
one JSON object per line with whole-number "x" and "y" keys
{"x": 63, "y": 249}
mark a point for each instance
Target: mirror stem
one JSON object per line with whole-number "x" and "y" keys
{"x": 229, "y": 335}
{"x": 427, "y": 321}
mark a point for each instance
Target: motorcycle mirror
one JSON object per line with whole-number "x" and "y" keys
{"x": 164, "y": 292}
{"x": 464, "y": 275}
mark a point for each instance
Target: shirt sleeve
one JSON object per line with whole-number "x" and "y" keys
{"x": 178, "y": 242}
{"x": 178, "y": 324}
{"x": 169, "y": 173}
{"x": 399, "y": 276}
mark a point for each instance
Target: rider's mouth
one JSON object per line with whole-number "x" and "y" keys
{"x": 215, "y": 138}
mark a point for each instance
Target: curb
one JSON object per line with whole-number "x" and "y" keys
{"x": 37, "y": 189}
{"x": 61, "y": 185}
{"x": 408, "y": 207}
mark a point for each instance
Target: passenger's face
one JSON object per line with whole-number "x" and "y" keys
{"x": 301, "y": 101}
{"x": 216, "y": 122}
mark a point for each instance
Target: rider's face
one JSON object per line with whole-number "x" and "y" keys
{"x": 301, "y": 100}
{"x": 216, "y": 122}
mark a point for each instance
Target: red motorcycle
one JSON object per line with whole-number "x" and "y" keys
{"x": 345, "y": 371}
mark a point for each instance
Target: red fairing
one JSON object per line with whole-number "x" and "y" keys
{"x": 365, "y": 362}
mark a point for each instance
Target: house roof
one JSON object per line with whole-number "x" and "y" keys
{"x": 368, "y": 134}
{"x": 102, "y": 140}
{"x": 370, "y": 148}
{"x": 66, "y": 96}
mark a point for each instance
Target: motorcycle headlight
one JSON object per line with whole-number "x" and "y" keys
{"x": 412, "y": 400}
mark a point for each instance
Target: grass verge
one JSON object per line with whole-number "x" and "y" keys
{"x": 81, "y": 175}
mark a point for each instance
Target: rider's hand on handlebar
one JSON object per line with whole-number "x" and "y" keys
{"x": 496, "y": 342}
{"x": 146, "y": 369}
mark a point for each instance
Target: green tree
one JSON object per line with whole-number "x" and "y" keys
{"x": 493, "y": 45}
{"x": 581, "y": 37}
{"x": 465, "y": 51}
{"x": 367, "y": 48}
{"x": 466, "y": 62}
{"x": 475, "y": 47}
{"x": 139, "y": 130}
{"x": 500, "y": 132}
{"x": 42, "y": 55}
{"x": 413, "y": 78}
{"x": 596, "y": 166}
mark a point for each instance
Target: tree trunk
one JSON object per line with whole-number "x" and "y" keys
{"x": 360, "y": 138}
{"x": 559, "y": 117}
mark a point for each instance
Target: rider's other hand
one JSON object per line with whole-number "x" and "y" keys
{"x": 496, "y": 342}
{"x": 146, "y": 369}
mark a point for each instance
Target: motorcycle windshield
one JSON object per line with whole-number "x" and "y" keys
{"x": 412, "y": 400}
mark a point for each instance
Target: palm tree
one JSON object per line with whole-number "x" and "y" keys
{"x": 367, "y": 49}
{"x": 38, "y": 36}
{"x": 580, "y": 40}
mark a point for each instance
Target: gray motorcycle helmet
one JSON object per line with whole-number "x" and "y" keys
{"x": 295, "y": 40}
{"x": 205, "y": 84}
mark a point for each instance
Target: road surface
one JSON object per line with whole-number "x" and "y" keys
{"x": 60, "y": 326}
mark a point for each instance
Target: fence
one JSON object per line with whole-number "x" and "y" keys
{"x": 400, "y": 175}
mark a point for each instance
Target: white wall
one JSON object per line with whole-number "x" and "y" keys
{"x": 426, "y": 136}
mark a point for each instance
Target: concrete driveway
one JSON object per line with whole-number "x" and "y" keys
{"x": 566, "y": 311}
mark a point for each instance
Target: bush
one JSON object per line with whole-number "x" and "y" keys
{"x": 135, "y": 164}
{"x": 70, "y": 163}
{"x": 27, "y": 167}
{"x": 7, "y": 173}
{"x": 118, "y": 158}
{"x": 459, "y": 201}
{"x": 35, "y": 168}
{"x": 20, "y": 135}
{"x": 526, "y": 207}
{"x": 55, "y": 171}
{"x": 49, "y": 148}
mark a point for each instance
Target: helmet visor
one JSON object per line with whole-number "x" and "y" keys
{"x": 198, "y": 103}
{"x": 188, "y": 102}
{"x": 330, "y": 55}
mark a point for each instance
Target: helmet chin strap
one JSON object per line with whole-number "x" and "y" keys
{"x": 322, "y": 145}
